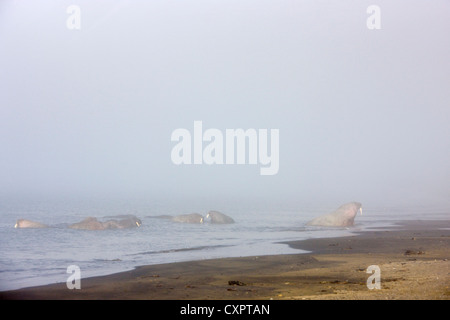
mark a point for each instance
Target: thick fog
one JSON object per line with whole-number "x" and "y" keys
{"x": 89, "y": 99}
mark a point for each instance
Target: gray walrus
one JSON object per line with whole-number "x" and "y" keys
{"x": 23, "y": 223}
{"x": 124, "y": 223}
{"x": 188, "y": 218}
{"x": 344, "y": 216}
{"x": 91, "y": 223}
{"x": 219, "y": 218}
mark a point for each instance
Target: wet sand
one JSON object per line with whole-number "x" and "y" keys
{"x": 413, "y": 258}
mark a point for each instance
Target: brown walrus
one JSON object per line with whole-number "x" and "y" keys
{"x": 188, "y": 218}
{"x": 91, "y": 223}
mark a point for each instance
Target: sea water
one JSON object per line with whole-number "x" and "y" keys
{"x": 30, "y": 257}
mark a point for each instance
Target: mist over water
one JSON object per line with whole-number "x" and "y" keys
{"x": 86, "y": 117}
{"x": 362, "y": 114}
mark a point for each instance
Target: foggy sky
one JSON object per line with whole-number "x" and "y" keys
{"x": 363, "y": 115}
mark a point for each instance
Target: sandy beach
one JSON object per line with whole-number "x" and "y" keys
{"x": 413, "y": 259}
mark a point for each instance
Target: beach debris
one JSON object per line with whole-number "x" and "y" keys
{"x": 236, "y": 283}
{"x": 333, "y": 244}
{"x": 339, "y": 282}
{"x": 409, "y": 252}
{"x": 149, "y": 276}
{"x": 334, "y": 282}
{"x": 393, "y": 279}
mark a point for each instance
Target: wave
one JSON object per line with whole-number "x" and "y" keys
{"x": 179, "y": 250}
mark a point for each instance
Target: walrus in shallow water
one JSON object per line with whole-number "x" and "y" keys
{"x": 219, "y": 218}
{"x": 344, "y": 216}
{"x": 89, "y": 223}
{"x": 124, "y": 223}
{"x": 23, "y": 223}
{"x": 188, "y": 218}
{"x": 93, "y": 224}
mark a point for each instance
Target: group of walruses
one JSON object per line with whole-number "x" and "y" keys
{"x": 130, "y": 221}
{"x": 342, "y": 217}
{"x": 212, "y": 216}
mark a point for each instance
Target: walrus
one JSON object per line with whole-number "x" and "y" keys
{"x": 188, "y": 218}
{"x": 23, "y": 223}
{"x": 344, "y": 216}
{"x": 219, "y": 218}
{"x": 124, "y": 223}
{"x": 91, "y": 223}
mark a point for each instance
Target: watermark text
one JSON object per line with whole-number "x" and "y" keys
{"x": 236, "y": 146}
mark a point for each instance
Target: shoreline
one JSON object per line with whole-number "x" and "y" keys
{"x": 413, "y": 258}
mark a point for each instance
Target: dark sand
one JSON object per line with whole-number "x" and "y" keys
{"x": 413, "y": 259}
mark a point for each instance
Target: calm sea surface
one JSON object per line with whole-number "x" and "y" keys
{"x": 30, "y": 257}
